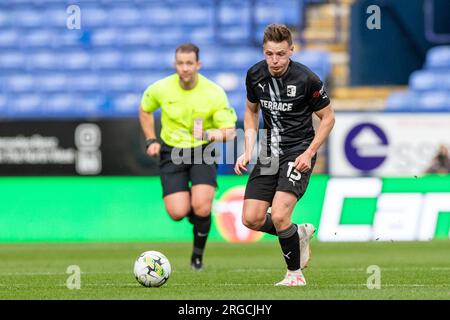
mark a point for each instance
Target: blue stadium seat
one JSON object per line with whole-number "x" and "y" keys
{"x": 281, "y": 11}
{"x": 90, "y": 105}
{"x": 229, "y": 80}
{"x": 20, "y": 82}
{"x": 141, "y": 80}
{"x": 66, "y": 39}
{"x": 137, "y": 37}
{"x": 27, "y": 105}
{"x": 126, "y": 104}
{"x": 434, "y": 101}
{"x": 105, "y": 37}
{"x": 209, "y": 57}
{"x": 316, "y": 60}
{"x": 237, "y": 101}
{"x": 12, "y": 60}
{"x": 52, "y": 82}
{"x": 59, "y": 105}
{"x": 75, "y": 60}
{"x": 44, "y": 60}
{"x": 170, "y": 37}
{"x": 4, "y": 107}
{"x": 27, "y": 18}
{"x": 55, "y": 16}
{"x": 107, "y": 59}
{"x": 86, "y": 82}
{"x": 40, "y": 38}
{"x": 146, "y": 59}
{"x": 228, "y": 16}
{"x": 438, "y": 58}
{"x": 401, "y": 101}
{"x": 124, "y": 16}
{"x": 423, "y": 80}
{"x": 5, "y": 19}
{"x": 9, "y": 38}
{"x": 118, "y": 82}
{"x": 235, "y": 33}
{"x": 200, "y": 36}
{"x": 193, "y": 15}
{"x": 157, "y": 15}
{"x": 94, "y": 16}
{"x": 242, "y": 58}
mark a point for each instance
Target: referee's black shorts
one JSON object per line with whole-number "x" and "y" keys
{"x": 263, "y": 183}
{"x": 175, "y": 177}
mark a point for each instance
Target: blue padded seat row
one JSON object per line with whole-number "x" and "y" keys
{"x": 9, "y": 38}
{"x": 401, "y": 101}
{"x": 434, "y": 101}
{"x": 418, "y": 101}
{"x": 284, "y": 11}
{"x": 78, "y": 82}
{"x": 316, "y": 60}
{"x": 228, "y": 16}
{"x": 12, "y": 60}
{"x": 149, "y": 37}
{"x": 430, "y": 79}
{"x": 59, "y": 60}
{"x": 230, "y": 81}
{"x": 438, "y": 58}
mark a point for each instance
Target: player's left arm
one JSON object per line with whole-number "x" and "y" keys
{"x": 326, "y": 115}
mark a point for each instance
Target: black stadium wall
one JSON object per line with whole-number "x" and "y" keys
{"x": 408, "y": 29}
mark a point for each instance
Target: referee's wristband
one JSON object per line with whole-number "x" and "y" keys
{"x": 149, "y": 142}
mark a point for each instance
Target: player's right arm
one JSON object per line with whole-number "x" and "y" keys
{"x": 149, "y": 104}
{"x": 147, "y": 121}
{"x": 251, "y": 122}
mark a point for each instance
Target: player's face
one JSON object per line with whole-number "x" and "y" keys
{"x": 277, "y": 55}
{"x": 187, "y": 66}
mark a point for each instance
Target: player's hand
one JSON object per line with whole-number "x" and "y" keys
{"x": 153, "y": 149}
{"x": 303, "y": 162}
{"x": 241, "y": 164}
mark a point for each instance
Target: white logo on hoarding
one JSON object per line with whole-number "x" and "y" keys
{"x": 398, "y": 216}
{"x": 369, "y": 144}
{"x": 88, "y": 140}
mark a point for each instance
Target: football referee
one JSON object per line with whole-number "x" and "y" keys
{"x": 194, "y": 113}
{"x": 288, "y": 93}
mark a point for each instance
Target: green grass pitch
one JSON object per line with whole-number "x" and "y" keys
{"x": 409, "y": 270}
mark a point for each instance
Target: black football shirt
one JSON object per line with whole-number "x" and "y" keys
{"x": 287, "y": 104}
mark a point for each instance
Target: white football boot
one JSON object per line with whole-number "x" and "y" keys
{"x": 293, "y": 278}
{"x": 305, "y": 233}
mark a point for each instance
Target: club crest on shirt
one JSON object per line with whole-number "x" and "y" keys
{"x": 291, "y": 91}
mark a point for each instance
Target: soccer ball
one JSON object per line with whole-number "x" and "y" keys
{"x": 152, "y": 269}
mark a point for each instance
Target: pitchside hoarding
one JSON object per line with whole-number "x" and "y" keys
{"x": 386, "y": 144}
{"x": 58, "y": 209}
{"x": 74, "y": 147}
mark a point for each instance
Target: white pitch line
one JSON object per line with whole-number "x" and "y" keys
{"x": 8, "y": 274}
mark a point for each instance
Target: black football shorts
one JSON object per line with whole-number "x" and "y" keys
{"x": 263, "y": 182}
{"x": 175, "y": 177}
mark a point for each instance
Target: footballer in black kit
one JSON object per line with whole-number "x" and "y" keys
{"x": 287, "y": 104}
{"x": 288, "y": 93}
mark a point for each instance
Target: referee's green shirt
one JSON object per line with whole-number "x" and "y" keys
{"x": 179, "y": 108}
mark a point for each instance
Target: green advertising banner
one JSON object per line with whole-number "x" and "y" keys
{"x": 58, "y": 209}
